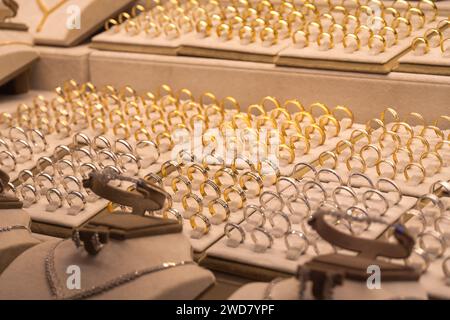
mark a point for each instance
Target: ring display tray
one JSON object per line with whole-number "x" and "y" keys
{"x": 245, "y": 262}
{"x": 430, "y": 63}
{"x": 212, "y": 47}
{"x": 337, "y": 59}
{"x": 55, "y": 30}
{"x": 111, "y": 41}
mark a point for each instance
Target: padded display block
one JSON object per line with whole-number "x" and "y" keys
{"x": 15, "y": 59}
{"x": 109, "y": 40}
{"x": 431, "y": 63}
{"x": 26, "y": 277}
{"x": 57, "y": 65}
{"x": 55, "y": 31}
{"x": 248, "y": 82}
{"x": 212, "y": 47}
{"x": 337, "y": 59}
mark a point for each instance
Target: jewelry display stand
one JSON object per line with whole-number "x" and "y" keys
{"x": 16, "y": 58}
{"x": 182, "y": 282}
{"x": 289, "y": 289}
{"x": 54, "y": 30}
{"x": 14, "y": 242}
{"x": 248, "y": 81}
{"x": 337, "y": 59}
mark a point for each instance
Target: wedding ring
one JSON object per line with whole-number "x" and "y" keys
{"x": 25, "y": 192}
{"x": 247, "y": 34}
{"x": 58, "y": 203}
{"x": 229, "y": 227}
{"x": 224, "y": 171}
{"x": 154, "y": 179}
{"x": 311, "y": 184}
{"x": 356, "y": 216}
{"x": 312, "y": 128}
{"x": 283, "y": 190}
{"x": 285, "y": 218}
{"x": 224, "y": 32}
{"x": 415, "y": 12}
{"x": 372, "y": 147}
{"x": 348, "y": 190}
{"x": 394, "y": 185}
{"x": 300, "y": 39}
{"x": 329, "y": 171}
{"x": 197, "y": 199}
{"x": 193, "y": 221}
{"x": 409, "y": 166}
{"x": 122, "y": 146}
{"x": 170, "y": 166}
{"x": 23, "y": 151}
{"x": 402, "y": 21}
{"x": 85, "y": 169}
{"x": 433, "y": 251}
{"x": 297, "y": 138}
{"x": 436, "y": 155}
{"x": 369, "y": 195}
{"x": 249, "y": 210}
{"x": 446, "y": 263}
{"x": 442, "y": 226}
{"x": 395, "y": 138}
{"x": 251, "y": 176}
{"x": 214, "y": 186}
{"x": 444, "y": 186}
{"x": 25, "y": 175}
{"x": 268, "y": 236}
{"x": 223, "y": 204}
{"x": 420, "y": 42}
{"x": 351, "y": 42}
{"x": 357, "y": 135}
{"x": 146, "y": 148}
{"x": 351, "y": 168}
{"x": 299, "y": 166}
{"x": 269, "y": 36}
{"x": 419, "y": 260}
{"x": 37, "y": 140}
{"x": 196, "y": 167}
{"x": 70, "y": 198}
{"x": 175, "y": 213}
{"x": 296, "y": 235}
{"x": 445, "y": 45}
{"x": 390, "y": 34}
{"x": 238, "y": 190}
{"x": 435, "y": 201}
{"x": 327, "y": 155}
{"x": 325, "y": 41}
{"x": 100, "y": 142}
{"x": 187, "y": 183}
{"x": 382, "y": 172}
{"x": 342, "y": 145}
{"x": 234, "y": 164}
{"x": 376, "y": 38}
{"x": 62, "y": 165}
{"x": 68, "y": 181}
{"x": 266, "y": 199}
{"x": 43, "y": 163}
{"x": 361, "y": 175}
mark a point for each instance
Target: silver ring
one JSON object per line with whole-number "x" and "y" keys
{"x": 303, "y": 164}
{"x": 63, "y": 164}
{"x": 434, "y": 199}
{"x": 104, "y": 155}
{"x": 176, "y": 214}
{"x": 81, "y": 140}
{"x": 285, "y": 218}
{"x": 143, "y": 155}
{"x": 100, "y": 142}
{"x": 349, "y": 191}
{"x": 328, "y": 170}
{"x": 24, "y": 175}
{"x": 251, "y": 209}
{"x": 352, "y": 218}
{"x": 438, "y": 228}
{"x": 368, "y": 195}
{"x": 362, "y": 175}
{"x": 86, "y": 168}
{"x": 43, "y": 163}
{"x": 17, "y": 150}
{"x": 416, "y": 214}
{"x": 272, "y": 195}
{"x": 40, "y": 180}
{"x": 155, "y": 179}
{"x": 392, "y": 183}
{"x": 419, "y": 252}
{"x": 3, "y": 156}
{"x": 305, "y": 201}
{"x": 131, "y": 159}
{"x": 20, "y": 131}
{"x": 58, "y": 193}
{"x": 78, "y": 155}
{"x": 68, "y": 179}
{"x": 61, "y": 151}
{"x": 122, "y": 142}
{"x": 229, "y": 226}
{"x": 291, "y": 183}
{"x": 35, "y": 132}
{"x": 76, "y": 194}
{"x": 263, "y": 231}
{"x": 31, "y": 188}
{"x": 309, "y": 185}
{"x": 436, "y": 236}
{"x": 440, "y": 185}
{"x": 299, "y": 235}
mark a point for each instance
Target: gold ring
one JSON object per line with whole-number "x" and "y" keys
{"x": 247, "y": 176}
{"x": 342, "y": 145}
{"x": 247, "y": 34}
{"x": 328, "y": 154}
{"x": 381, "y": 40}
{"x": 314, "y": 127}
{"x": 300, "y": 39}
{"x": 391, "y": 164}
{"x": 224, "y": 32}
{"x": 197, "y": 199}
{"x": 355, "y": 39}
{"x": 358, "y": 158}
{"x": 235, "y": 189}
{"x": 182, "y": 179}
{"x": 420, "y": 41}
{"x": 416, "y": 12}
{"x": 215, "y": 187}
{"x": 225, "y": 171}
{"x": 205, "y": 220}
{"x": 434, "y": 154}
{"x": 196, "y": 167}
{"x": 284, "y": 147}
{"x": 424, "y": 142}
{"x": 223, "y": 204}
{"x": 373, "y": 147}
{"x": 298, "y": 137}
{"x": 269, "y": 34}
{"x": 401, "y": 20}
{"x": 416, "y": 165}
{"x": 325, "y": 119}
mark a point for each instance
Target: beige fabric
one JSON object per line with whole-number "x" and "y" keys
{"x": 432, "y": 63}
{"x": 14, "y": 242}
{"x": 55, "y": 32}
{"x": 289, "y": 290}
{"x": 58, "y": 65}
{"x": 365, "y": 94}
{"x": 25, "y": 278}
